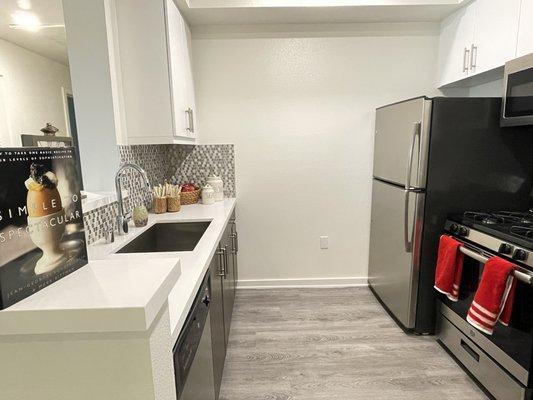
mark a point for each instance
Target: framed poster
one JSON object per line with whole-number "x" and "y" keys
{"x": 42, "y": 236}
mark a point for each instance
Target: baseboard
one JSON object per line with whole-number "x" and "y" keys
{"x": 302, "y": 283}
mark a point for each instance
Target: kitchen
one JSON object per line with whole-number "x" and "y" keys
{"x": 302, "y": 111}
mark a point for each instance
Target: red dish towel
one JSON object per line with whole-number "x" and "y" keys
{"x": 494, "y": 296}
{"x": 449, "y": 267}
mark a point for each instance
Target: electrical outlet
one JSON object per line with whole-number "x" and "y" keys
{"x": 324, "y": 242}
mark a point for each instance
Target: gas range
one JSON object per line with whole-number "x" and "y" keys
{"x": 508, "y": 233}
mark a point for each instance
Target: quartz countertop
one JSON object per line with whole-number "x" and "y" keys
{"x": 102, "y": 296}
{"x": 194, "y": 264}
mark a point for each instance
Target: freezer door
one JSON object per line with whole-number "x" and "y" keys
{"x": 401, "y": 142}
{"x": 395, "y": 233}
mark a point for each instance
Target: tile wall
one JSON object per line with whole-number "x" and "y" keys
{"x": 173, "y": 163}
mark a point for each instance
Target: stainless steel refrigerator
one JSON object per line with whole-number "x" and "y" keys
{"x": 432, "y": 158}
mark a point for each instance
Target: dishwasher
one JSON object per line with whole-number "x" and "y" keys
{"x": 193, "y": 355}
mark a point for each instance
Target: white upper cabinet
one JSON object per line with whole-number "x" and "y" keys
{"x": 455, "y": 41}
{"x": 157, "y": 90}
{"x": 182, "y": 83}
{"x": 477, "y": 38}
{"x": 496, "y": 30}
{"x": 525, "y": 30}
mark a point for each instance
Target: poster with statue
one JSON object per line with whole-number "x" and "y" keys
{"x": 42, "y": 236}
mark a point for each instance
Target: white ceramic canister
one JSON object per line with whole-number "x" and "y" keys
{"x": 208, "y": 195}
{"x": 218, "y": 186}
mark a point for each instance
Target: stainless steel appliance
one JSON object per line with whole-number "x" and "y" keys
{"x": 193, "y": 355}
{"x": 433, "y": 157}
{"x": 517, "y": 106}
{"x": 500, "y": 362}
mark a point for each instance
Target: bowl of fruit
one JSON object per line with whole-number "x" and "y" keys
{"x": 190, "y": 193}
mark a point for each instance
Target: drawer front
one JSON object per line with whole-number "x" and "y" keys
{"x": 487, "y": 372}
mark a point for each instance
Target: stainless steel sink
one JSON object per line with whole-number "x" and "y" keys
{"x": 170, "y": 236}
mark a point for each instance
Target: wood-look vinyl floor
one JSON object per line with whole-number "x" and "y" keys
{"x": 303, "y": 344}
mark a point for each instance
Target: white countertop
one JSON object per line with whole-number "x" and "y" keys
{"x": 102, "y": 296}
{"x": 194, "y": 264}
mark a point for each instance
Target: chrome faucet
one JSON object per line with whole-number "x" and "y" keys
{"x": 124, "y": 217}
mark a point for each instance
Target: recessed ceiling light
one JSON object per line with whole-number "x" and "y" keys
{"x": 25, "y": 20}
{"x": 24, "y": 4}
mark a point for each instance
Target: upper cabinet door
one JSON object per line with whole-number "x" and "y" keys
{"x": 179, "y": 52}
{"x": 177, "y": 60}
{"x": 455, "y": 40}
{"x": 525, "y": 29}
{"x": 496, "y": 30}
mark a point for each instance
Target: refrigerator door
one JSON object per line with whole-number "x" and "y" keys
{"x": 395, "y": 234}
{"x": 401, "y": 142}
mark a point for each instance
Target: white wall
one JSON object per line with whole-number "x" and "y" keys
{"x": 32, "y": 86}
{"x": 301, "y": 113}
{"x": 489, "y": 89}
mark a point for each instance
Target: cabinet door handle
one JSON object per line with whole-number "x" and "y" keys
{"x": 226, "y": 261}
{"x": 466, "y": 59}
{"x": 473, "y": 56}
{"x": 190, "y": 120}
{"x": 234, "y": 242}
{"x": 222, "y": 259}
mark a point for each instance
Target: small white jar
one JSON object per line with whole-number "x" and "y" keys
{"x": 218, "y": 186}
{"x": 208, "y": 195}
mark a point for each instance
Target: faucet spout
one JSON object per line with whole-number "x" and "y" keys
{"x": 124, "y": 217}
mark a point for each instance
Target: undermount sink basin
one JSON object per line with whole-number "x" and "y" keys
{"x": 170, "y": 236}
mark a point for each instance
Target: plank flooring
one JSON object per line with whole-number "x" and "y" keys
{"x": 336, "y": 344}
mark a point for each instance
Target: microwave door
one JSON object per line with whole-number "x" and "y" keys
{"x": 517, "y": 105}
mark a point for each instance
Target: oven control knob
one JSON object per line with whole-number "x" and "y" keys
{"x": 505, "y": 248}
{"x": 454, "y": 228}
{"x": 520, "y": 255}
{"x": 463, "y": 231}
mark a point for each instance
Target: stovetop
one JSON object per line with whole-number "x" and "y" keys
{"x": 511, "y": 226}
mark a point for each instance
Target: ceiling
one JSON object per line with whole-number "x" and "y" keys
{"x": 249, "y": 12}
{"x": 48, "y": 42}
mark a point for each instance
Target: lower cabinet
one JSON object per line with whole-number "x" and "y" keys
{"x": 223, "y": 272}
{"x": 218, "y": 342}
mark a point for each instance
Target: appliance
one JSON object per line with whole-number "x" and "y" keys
{"x": 193, "y": 355}
{"x": 433, "y": 157}
{"x": 517, "y": 106}
{"x": 501, "y": 362}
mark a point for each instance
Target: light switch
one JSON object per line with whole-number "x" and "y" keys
{"x": 324, "y": 242}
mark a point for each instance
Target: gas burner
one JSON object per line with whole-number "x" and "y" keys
{"x": 501, "y": 218}
{"x": 484, "y": 218}
{"x": 517, "y": 217}
{"x": 523, "y": 231}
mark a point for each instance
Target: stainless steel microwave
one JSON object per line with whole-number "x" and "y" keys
{"x": 517, "y": 102}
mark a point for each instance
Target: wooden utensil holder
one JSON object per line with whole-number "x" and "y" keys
{"x": 173, "y": 204}
{"x": 160, "y": 205}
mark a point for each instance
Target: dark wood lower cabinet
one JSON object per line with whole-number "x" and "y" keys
{"x": 223, "y": 272}
{"x": 218, "y": 342}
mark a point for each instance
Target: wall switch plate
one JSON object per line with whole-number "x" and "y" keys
{"x": 324, "y": 242}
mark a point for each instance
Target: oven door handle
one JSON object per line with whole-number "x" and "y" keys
{"x": 521, "y": 276}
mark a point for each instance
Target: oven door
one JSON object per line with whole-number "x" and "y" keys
{"x": 510, "y": 346}
{"x": 517, "y": 104}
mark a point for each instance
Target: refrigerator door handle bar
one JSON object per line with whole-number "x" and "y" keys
{"x": 408, "y": 238}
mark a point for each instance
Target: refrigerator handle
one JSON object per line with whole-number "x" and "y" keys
{"x": 408, "y": 238}
{"x": 416, "y": 132}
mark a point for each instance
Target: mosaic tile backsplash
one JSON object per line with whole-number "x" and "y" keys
{"x": 196, "y": 163}
{"x": 173, "y": 163}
